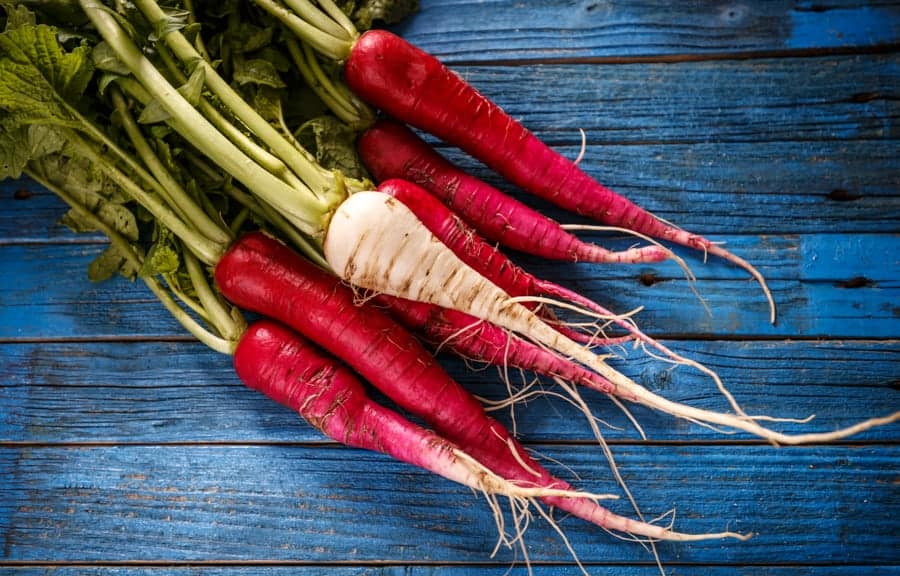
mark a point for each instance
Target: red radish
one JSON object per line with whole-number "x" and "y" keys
{"x": 414, "y": 87}
{"x": 261, "y": 274}
{"x": 284, "y": 366}
{"x": 391, "y": 150}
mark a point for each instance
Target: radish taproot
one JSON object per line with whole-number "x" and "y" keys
{"x": 391, "y": 150}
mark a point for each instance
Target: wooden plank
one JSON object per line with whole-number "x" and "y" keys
{"x": 805, "y": 188}
{"x": 461, "y": 30}
{"x": 828, "y": 98}
{"x": 163, "y": 392}
{"x": 200, "y": 569}
{"x": 324, "y": 504}
{"x": 832, "y": 303}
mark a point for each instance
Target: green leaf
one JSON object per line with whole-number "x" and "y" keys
{"x": 153, "y": 113}
{"x": 105, "y": 58}
{"x": 192, "y": 90}
{"x": 20, "y": 144}
{"x": 115, "y": 215}
{"x": 267, "y": 102}
{"x": 43, "y": 140}
{"x": 91, "y": 190}
{"x": 368, "y": 12}
{"x": 333, "y": 143}
{"x": 18, "y": 16}
{"x": 249, "y": 37}
{"x": 258, "y": 71}
{"x": 162, "y": 258}
{"x": 174, "y": 20}
{"x": 13, "y": 154}
{"x": 38, "y": 79}
{"x": 277, "y": 58}
{"x": 109, "y": 263}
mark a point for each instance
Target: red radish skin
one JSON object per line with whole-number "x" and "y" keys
{"x": 414, "y": 87}
{"x": 285, "y": 367}
{"x": 260, "y": 274}
{"x": 391, "y": 150}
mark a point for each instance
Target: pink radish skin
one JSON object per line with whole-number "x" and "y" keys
{"x": 415, "y": 88}
{"x": 259, "y": 273}
{"x": 473, "y": 339}
{"x": 391, "y": 150}
{"x": 278, "y": 362}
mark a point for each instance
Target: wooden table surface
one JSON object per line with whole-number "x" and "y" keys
{"x": 127, "y": 448}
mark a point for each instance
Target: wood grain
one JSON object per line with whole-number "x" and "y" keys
{"x": 172, "y": 392}
{"x": 183, "y": 503}
{"x": 583, "y": 29}
{"x": 832, "y": 301}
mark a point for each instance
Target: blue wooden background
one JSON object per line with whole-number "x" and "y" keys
{"x": 127, "y": 448}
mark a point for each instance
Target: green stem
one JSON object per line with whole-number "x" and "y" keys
{"x": 192, "y": 19}
{"x": 128, "y": 252}
{"x": 178, "y": 197}
{"x": 307, "y": 10}
{"x": 199, "y": 332}
{"x": 258, "y": 154}
{"x": 300, "y": 207}
{"x": 338, "y": 16}
{"x": 219, "y": 316}
{"x": 348, "y": 109}
{"x": 266, "y": 213}
{"x": 332, "y": 47}
{"x": 98, "y": 136}
{"x": 207, "y": 250}
{"x": 192, "y": 304}
{"x": 300, "y": 161}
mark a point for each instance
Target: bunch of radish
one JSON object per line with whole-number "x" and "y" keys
{"x": 346, "y": 272}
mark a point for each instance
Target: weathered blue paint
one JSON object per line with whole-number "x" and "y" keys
{"x": 838, "y": 26}
{"x": 475, "y": 30}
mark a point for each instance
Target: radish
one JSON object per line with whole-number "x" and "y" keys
{"x": 285, "y": 367}
{"x": 391, "y": 150}
{"x": 516, "y": 282}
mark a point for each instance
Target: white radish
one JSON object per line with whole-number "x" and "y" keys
{"x": 375, "y": 242}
